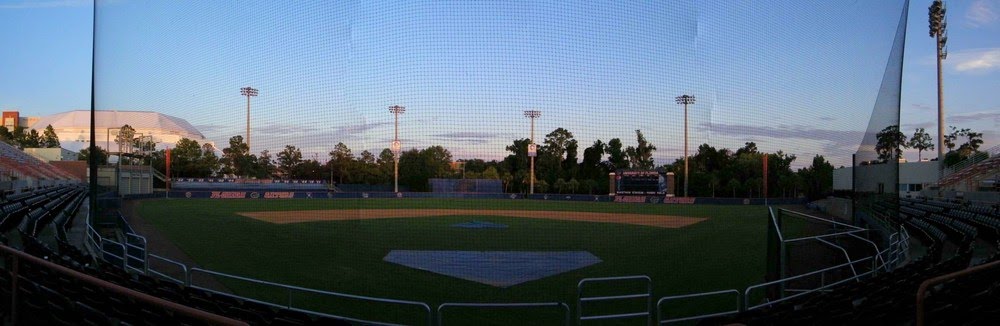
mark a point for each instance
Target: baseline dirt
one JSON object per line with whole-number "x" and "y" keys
{"x": 283, "y": 217}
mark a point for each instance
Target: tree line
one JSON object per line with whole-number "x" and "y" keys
{"x": 560, "y": 166}
{"x": 961, "y": 143}
{"x": 23, "y": 138}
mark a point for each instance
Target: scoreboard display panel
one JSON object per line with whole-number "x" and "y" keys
{"x": 632, "y": 182}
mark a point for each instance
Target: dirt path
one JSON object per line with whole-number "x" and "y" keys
{"x": 157, "y": 243}
{"x": 282, "y": 217}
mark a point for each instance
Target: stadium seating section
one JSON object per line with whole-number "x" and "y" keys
{"x": 16, "y": 165}
{"x": 49, "y": 298}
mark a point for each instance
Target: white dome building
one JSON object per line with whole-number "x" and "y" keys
{"x": 73, "y": 128}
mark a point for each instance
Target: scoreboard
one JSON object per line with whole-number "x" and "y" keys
{"x": 640, "y": 182}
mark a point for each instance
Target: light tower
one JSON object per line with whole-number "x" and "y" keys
{"x": 939, "y": 30}
{"x": 396, "y": 146}
{"x": 248, "y": 92}
{"x": 685, "y": 99}
{"x": 532, "y": 149}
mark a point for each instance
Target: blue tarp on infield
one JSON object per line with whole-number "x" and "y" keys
{"x": 496, "y": 268}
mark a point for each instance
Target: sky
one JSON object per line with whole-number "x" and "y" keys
{"x": 797, "y": 76}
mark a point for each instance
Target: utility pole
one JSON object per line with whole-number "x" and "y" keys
{"x": 248, "y": 92}
{"x": 685, "y": 100}
{"x": 532, "y": 149}
{"x": 397, "y": 147}
{"x": 939, "y": 30}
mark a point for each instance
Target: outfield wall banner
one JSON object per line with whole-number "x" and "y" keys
{"x": 224, "y": 194}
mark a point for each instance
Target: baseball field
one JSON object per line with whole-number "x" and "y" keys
{"x": 348, "y": 245}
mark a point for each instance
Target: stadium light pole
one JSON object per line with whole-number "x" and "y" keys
{"x": 248, "y": 92}
{"x": 939, "y": 30}
{"x": 532, "y": 150}
{"x": 685, "y": 100}
{"x": 397, "y": 147}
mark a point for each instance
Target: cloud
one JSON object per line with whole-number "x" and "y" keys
{"x": 980, "y": 13}
{"x": 784, "y": 132}
{"x": 975, "y": 117}
{"x": 975, "y": 60}
{"x": 360, "y": 128}
{"x": 469, "y": 136}
{"x": 927, "y": 125}
{"x": 36, "y": 4}
{"x": 284, "y": 129}
{"x": 921, "y": 107}
{"x": 827, "y": 119}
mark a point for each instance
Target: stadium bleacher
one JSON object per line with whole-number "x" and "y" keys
{"x": 45, "y": 297}
{"x": 889, "y": 298}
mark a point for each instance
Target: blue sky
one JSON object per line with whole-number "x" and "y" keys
{"x": 801, "y": 76}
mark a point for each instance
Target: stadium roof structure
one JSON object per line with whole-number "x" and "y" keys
{"x": 116, "y": 119}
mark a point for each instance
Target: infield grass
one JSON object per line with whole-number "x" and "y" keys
{"x": 726, "y": 251}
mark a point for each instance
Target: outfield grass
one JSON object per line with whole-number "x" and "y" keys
{"x": 724, "y": 252}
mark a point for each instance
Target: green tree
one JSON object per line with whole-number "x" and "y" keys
{"x": 34, "y": 140}
{"x": 954, "y": 135}
{"x": 6, "y": 136}
{"x": 921, "y": 141}
{"x": 617, "y": 155}
{"x": 491, "y": 173}
{"x": 237, "y": 160}
{"x": 889, "y": 143}
{"x": 733, "y": 185}
{"x": 288, "y": 160}
{"x": 341, "y": 162}
{"x": 560, "y": 186}
{"x": 817, "y": 178}
{"x": 102, "y": 156}
{"x": 972, "y": 143}
{"x": 641, "y": 156}
{"x": 572, "y": 186}
{"x": 386, "y": 164}
{"x": 49, "y": 138}
{"x": 19, "y": 137}
{"x": 265, "y": 165}
{"x": 189, "y": 159}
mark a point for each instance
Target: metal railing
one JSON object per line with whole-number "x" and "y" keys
{"x": 291, "y": 288}
{"x": 18, "y": 257}
{"x": 925, "y": 285}
{"x": 659, "y": 306}
{"x": 136, "y": 254}
{"x": 747, "y": 292}
{"x": 567, "y": 320}
{"x": 580, "y": 299}
{"x": 184, "y": 269}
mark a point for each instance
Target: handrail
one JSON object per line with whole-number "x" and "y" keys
{"x": 781, "y": 238}
{"x": 846, "y": 255}
{"x": 659, "y": 303}
{"x": 878, "y": 255}
{"x": 117, "y": 289}
{"x": 746, "y": 293}
{"x": 580, "y": 299}
{"x": 922, "y": 290}
{"x": 427, "y": 308}
{"x": 823, "y": 236}
{"x": 566, "y": 311}
{"x": 821, "y": 219}
{"x": 176, "y": 263}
